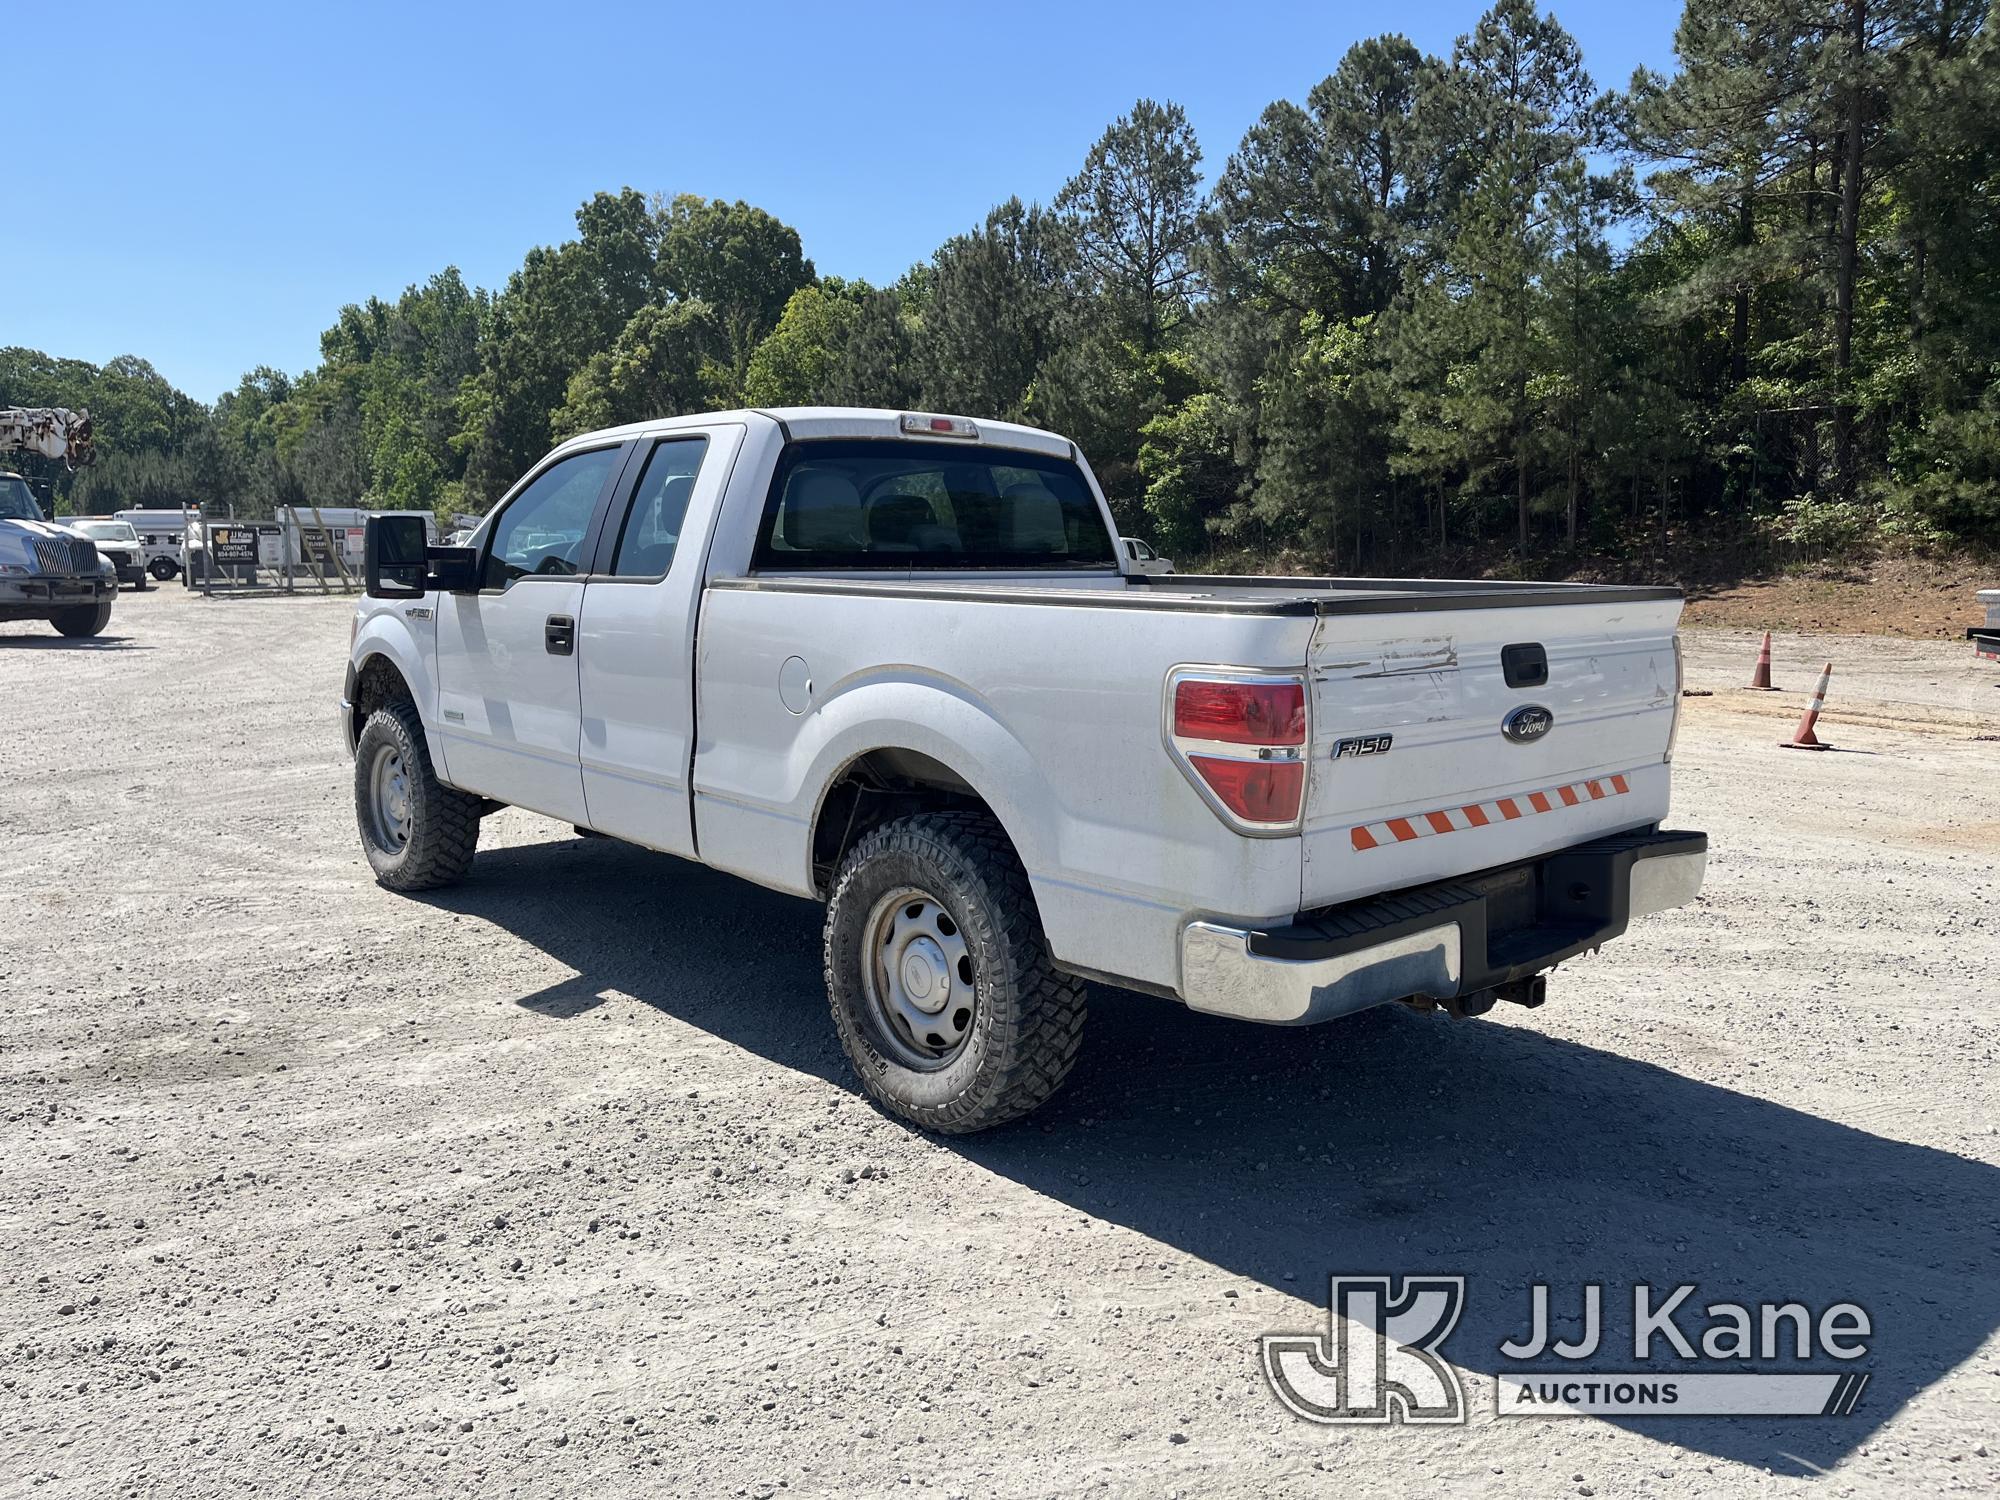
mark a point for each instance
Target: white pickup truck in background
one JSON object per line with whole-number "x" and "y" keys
{"x": 899, "y": 662}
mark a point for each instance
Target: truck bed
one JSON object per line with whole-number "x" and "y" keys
{"x": 1220, "y": 593}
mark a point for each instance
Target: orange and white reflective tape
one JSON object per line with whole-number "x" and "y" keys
{"x": 1480, "y": 814}
{"x": 1819, "y": 690}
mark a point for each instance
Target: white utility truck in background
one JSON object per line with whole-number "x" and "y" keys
{"x": 117, "y": 543}
{"x": 899, "y": 662}
{"x": 162, "y": 537}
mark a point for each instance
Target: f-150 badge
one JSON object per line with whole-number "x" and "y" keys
{"x": 1365, "y": 744}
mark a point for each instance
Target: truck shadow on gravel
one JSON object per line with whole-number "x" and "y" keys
{"x": 67, "y": 643}
{"x": 1390, "y": 1142}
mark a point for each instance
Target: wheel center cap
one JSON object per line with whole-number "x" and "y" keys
{"x": 925, "y": 977}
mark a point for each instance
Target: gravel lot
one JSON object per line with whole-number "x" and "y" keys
{"x": 556, "y": 1182}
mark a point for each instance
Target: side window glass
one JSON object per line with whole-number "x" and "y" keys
{"x": 541, "y": 530}
{"x": 652, "y": 529}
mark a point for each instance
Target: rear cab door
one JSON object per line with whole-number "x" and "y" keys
{"x": 635, "y": 639}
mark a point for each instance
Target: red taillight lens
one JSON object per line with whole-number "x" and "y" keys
{"x": 1258, "y": 791}
{"x": 1241, "y": 713}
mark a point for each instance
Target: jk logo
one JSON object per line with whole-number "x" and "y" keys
{"x": 1378, "y": 1361}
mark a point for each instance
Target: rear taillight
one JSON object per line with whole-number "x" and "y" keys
{"x": 1240, "y": 737}
{"x": 1240, "y": 713}
{"x": 1257, "y": 791}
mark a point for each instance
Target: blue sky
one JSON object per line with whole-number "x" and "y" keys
{"x": 205, "y": 184}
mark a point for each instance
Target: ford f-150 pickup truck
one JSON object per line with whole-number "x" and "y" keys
{"x": 898, "y": 662}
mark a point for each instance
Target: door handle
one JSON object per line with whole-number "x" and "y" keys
{"x": 559, "y": 635}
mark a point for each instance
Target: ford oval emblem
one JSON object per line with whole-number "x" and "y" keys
{"x": 1527, "y": 724}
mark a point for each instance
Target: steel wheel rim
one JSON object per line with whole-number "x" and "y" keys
{"x": 389, "y": 799}
{"x": 917, "y": 979}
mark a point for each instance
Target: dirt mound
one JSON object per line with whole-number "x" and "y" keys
{"x": 1920, "y": 598}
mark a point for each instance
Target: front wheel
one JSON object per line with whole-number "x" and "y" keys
{"x": 162, "y": 569}
{"x": 82, "y": 620}
{"x": 417, "y": 832}
{"x": 943, "y": 991}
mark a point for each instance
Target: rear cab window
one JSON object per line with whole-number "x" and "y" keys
{"x": 650, "y": 533}
{"x": 888, "y": 504}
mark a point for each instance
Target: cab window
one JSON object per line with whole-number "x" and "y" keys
{"x": 652, "y": 527}
{"x": 540, "y": 533}
{"x": 893, "y": 504}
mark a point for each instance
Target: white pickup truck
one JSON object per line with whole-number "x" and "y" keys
{"x": 898, "y": 663}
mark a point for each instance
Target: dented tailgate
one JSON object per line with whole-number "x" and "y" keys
{"x": 1427, "y": 763}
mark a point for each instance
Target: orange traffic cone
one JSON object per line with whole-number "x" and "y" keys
{"x": 1761, "y": 678}
{"x": 1804, "y": 739}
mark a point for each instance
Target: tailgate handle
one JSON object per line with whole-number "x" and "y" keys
{"x": 1526, "y": 665}
{"x": 559, "y": 635}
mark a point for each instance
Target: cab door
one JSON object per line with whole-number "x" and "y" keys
{"x": 636, "y": 638}
{"x": 508, "y": 704}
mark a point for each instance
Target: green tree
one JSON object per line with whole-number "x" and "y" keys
{"x": 878, "y": 363}
{"x": 1131, "y": 218}
{"x": 1478, "y": 338}
{"x": 1309, "y": 240}
{"x": 665, "y": 361}
{"x": 801, "y": 362}
{"x": 740, "y": 261}
{"x": 994, "y": 312}
{"x": 563, "y": 306}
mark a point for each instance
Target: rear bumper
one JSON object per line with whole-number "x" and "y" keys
{"x": 1985, "y": 641}
{"x": 1446, "y": 941}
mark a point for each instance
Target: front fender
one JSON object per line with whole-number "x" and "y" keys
{"x": 403, "y": 634}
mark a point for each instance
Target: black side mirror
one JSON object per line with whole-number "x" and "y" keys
{"x": 393, "y": 563}
{"x": 398, "y": 562}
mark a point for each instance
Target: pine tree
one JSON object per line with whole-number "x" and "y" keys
{"x": 1131, "y": 217}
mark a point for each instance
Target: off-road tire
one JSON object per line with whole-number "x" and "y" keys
{"x": 444, "y": 822}
{"x": 1028, "y": 1016}
{"x": 82, "y": 619}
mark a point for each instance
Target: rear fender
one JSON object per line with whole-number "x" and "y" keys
{"x": 946, "y": 720}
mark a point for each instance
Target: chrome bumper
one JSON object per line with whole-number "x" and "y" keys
{"x": 1442, "y": 942}
{"x": 1220, "y": 974}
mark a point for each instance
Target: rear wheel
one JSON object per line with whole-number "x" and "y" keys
{"x": 83, "y": 620}
{"x": 162, "y": 568}
{"x": 942, "y": 989}
{"x": 418, "y": 833}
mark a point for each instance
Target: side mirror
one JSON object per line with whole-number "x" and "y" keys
{"x": 392, "y": 557}
{"x": 398, "y": 563}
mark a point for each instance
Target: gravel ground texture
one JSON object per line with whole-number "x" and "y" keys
{"x": 556, "y": 1183}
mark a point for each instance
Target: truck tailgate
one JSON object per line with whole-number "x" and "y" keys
{"x": 1413, "y": 775}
